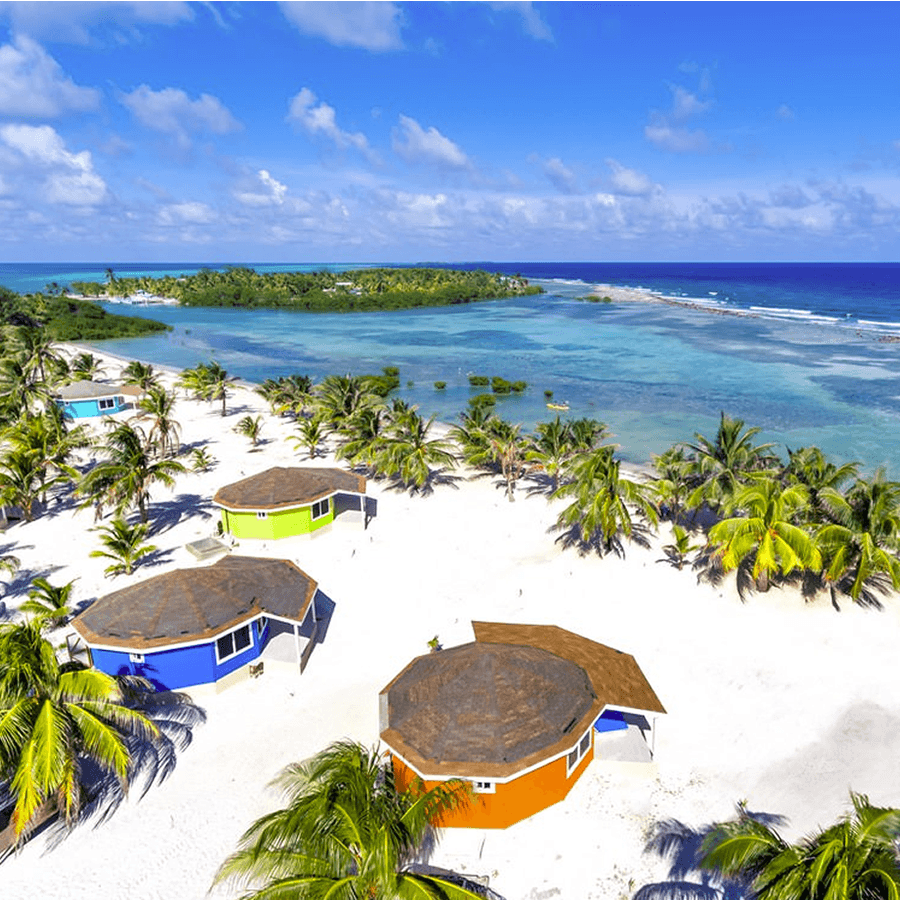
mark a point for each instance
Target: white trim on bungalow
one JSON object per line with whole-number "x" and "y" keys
{"x": 274, "y": 509}
{"x": 198, "y": 642}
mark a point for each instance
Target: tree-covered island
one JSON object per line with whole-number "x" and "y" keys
{"x": 355, "y": 290}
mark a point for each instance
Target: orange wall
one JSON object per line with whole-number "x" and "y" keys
{"x": 513, "y": 801}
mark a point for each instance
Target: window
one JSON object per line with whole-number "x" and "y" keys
{"x": 136, "y": 657}
{"x": 484, "y": 787}
{"x": 233, "y": 643}
{"x": 320, "y": 508}
{"x": 262, "y": 515}
{"x": 106, "y": 403}
{"x": 577, "y": 753}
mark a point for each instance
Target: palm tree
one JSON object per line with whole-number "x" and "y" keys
{"x": 339, "y": 397}
{"x": 599, "y": 511}
{"x": 310, "y": 434}
{"x": 671, "y": 481}
{"x": 124, "y": 544}
{"x": 810, "y": 467}
{"x": 19, "y": 390}
{"x": 362, "y": 436}
{"x": 47, "y": 601}
{"x": 508, "y": 450}
{"x": 550, "y": 448}
{"x": 165, "y": 432}
{"x": 53, "y": 720}
{"x": 86, "y": 367}
{"x": 766, "y": 536}
{"x": 346, "y": 833}
{"x": 217, "y": 384}
{"x": 250, "y": 427}
{"x": 201, "y": 460}
{"x": 719, "y": 467}
{"x": 38, "y": 353}
{"x": 861, "y": 546}
{"x": 22, "y": 480}
{"x": 408, "y": 453}
{"x": 140, "y": 374}
{"x": 677, "y": 552}
{"x": 854, "y": 859}
{"x": 124, "y": 478}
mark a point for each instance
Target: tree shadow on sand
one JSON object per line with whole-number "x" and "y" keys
{"x": 682, "y": 846}
{"x": 169, "y": 513}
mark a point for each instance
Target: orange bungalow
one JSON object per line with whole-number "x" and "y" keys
{"x": 519, "y": 713}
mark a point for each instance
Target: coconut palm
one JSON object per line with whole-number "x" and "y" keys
{"x": 22, "y": 480}
{"x": 766, "y": 538}
{"x": 362, "y": 436}
{"x": 681, "y": 547}
{"x": 165, "y": 432}
{"x": 860, "y": 547}
{"x": 124, "y": 545}
{"x": 86, "y": 367}
{"x": 347, "y": 833}
{"x": 49, "y": 602}
{"x": 310, "y": 435}
{"x": 811, "y": 468}
{"x": 599, "y": 512}
{"x": 550, "y": 448}
{"x": 250, "y": 427}
{"x": 290, "y": 393}
{"x": 123, "y": 479}
{"x": 217, "y": 380}
{"x": 671, "y": 481}
{"x": 20, "y": 391}
{"x": 719, "y": 467}
{"x": 37, "y": 351}
{"x": 854, "y": 859}
{"x": 339, "y": 397}
{"x": 201, "y": 460}
{"x": 140, "y": 374}
{"x": 53, "y": 720}
{"x": 409, "y": 454}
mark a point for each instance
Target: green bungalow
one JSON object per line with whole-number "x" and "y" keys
{"x": 289, "y": 501}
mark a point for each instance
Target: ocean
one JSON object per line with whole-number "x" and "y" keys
{"x": 810, "y": 358}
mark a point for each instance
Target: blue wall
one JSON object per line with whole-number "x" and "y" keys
{"x": 90, "y": 408}
{"x": 181, "y": 667}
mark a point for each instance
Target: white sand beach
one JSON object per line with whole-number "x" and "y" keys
{"x": 784, "y": 704}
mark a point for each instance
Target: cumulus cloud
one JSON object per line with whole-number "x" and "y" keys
{"x": 370, "y": 26}
{"x": 33, "y": 85}
{"x": 170, "y": 111}
{"x": 532, "y": 23}
{"x": 74, "y": 22}
{"x": 416, "y": 145}
{"x": 560, "y": 175}
{"x": 187, "y": 213}
{"x": 64, "y": 177}
{"x": 320, "y": 119}
{"x": 628, "y": 181}
{"x": 268, "y": 191}
{"x": 669, "y": 129}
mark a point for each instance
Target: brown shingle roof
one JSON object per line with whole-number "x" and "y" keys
{"x": 517, "y": 696}
{"x": 89, "y": 390}
{"x": 192, "y": 604}
{"x": 286, "y": 487}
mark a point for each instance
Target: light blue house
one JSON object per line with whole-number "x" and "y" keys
{"x": 87, "y": 399}
{"x": 204, "y": 626}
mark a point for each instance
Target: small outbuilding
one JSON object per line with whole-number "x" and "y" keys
{"x": 286, "y": 501}
{"x": 204, "y": 626}
{"x": 519, "y": 714}
{"x": 88, "y": 399}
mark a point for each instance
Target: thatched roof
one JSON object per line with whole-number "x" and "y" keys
{"x": 89, "y": 390}
{"x": 517, "y": 696}
{"x": 284, "y": 487}
{"x": 193, "y": 604}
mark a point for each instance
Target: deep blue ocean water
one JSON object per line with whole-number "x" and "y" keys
{"x": 809, "y": 361}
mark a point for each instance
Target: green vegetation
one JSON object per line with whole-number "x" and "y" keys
{"x": 353, "y": 291}
{"x": 440, "y": 385}
{"x": 124, "y": 544}
{"x": 67, "y": 319}
{"x": 479, "y": 380}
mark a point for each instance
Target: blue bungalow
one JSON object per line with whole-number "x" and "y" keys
{"x": 212, "y": 625}
{"x": 88, "y": 399}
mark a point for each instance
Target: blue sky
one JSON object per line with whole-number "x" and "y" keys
{"x": 358, "y": 132}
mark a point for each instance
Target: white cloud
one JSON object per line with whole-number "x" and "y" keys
{"x": 73, "y": 22}
{"x": 65, "y": 177}
{"x": 785, "y": 112}
{"x": 532, "y": 22}
{"x": 560, "y": 175}
{"x": 371, "y": 26}
{"x": 629, "y": 181}
{"x": 187, "y": 213}
{"x": 318, "y": 118}
{"x": 679, "y": 140}
{"x": 32, "y": 84}
{"x": 268, "y": 191}
{"x": 414, "y": 144}
{"x": 668, "y": 129}
{"x": 172, "y": 112}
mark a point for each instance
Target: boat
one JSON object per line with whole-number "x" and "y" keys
{"x": 562, "y": 406}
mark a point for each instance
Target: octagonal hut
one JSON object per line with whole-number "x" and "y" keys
{"x": 286, "y": 501}
{"x": 204, "y": 626}
{"x": 89, "y": 399}
{"x": 519, "y": 714}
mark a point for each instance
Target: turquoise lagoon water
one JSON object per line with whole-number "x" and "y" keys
{"x": 654, "y": 373}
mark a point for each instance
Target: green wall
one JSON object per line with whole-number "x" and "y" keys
{"x": 277, "y": 523}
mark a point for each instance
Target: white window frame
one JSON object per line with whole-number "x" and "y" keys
{"x": 484, "y": 787}
{"x": 261, "y": 623}
{"x": 580, "y": 750}
{"x": 322, "y": 512}
{"x": 136, "y": 657}
{"x": 104, "y": 403}
{"x": 234, "y": 651}
{"x": 262, "y": 515}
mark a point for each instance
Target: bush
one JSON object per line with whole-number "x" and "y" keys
{"x": 393, "y": 371}
{"x": 500, "y": 385}
{"x": 548, "y": 395}
{"x": 518, "y": 387}
{"x": 479, "y": 380}
{"x": 440, "y": 385}
{"x": 482, "y": 400}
